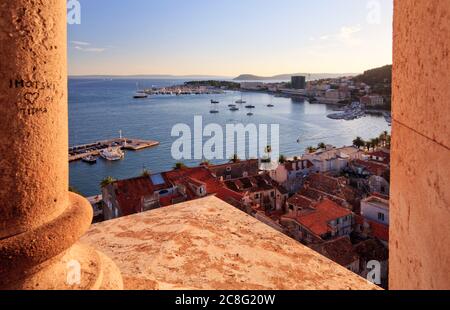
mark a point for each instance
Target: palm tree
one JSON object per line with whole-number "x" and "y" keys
{"x": 179, "y": 166}
{"x": 234, "y": 158}
{"x": 388, "y": 141}
{"x": 282, "y": 159}
{"x": 311, "y": 149}
{"x": 205, "y": 163}
{"x": 321, "y": 145}
{"x": 107, "y": 181}
{"x": 145, "y": 173}
{"x": 374, "y": 143}
{"x": 383, "y": 138}
{"x": 359, "y": 142}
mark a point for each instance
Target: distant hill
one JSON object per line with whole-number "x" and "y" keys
{"x": 381, "y": 75}
{"x": 287, "y": 77}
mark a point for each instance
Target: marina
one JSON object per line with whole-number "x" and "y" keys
{"x": 108, "y": 149}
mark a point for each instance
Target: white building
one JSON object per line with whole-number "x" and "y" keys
{"x": 375, "y": 209}
{"x": 333, "y": 159}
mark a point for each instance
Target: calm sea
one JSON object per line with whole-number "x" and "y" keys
{"x": 99, "y": 108}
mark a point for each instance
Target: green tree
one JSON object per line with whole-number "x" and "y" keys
{"x": 282, "y": 159}
{"x": 358, "y": 142}
{"x": 321, "y": 145}
{"x": 179, "y": 166}
{"x": 311, "y": 149}
{"x": 145, "y": 173}
{"x": 107, "y": 181}
{"x": 234, "y": 158}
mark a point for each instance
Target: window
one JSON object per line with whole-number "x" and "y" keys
{"x": 291, "y": 207}
{"x": 229, "y": 169}
{"x": 272, "y": 194}
{"x": 256, "y": 196}
{"x": 381, "y": 217}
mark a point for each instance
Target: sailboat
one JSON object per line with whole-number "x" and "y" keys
{"x": 214, "y": 110}
{"x": 241, "y": 101}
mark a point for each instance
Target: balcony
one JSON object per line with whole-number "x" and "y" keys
{"x": 208, "y": 244}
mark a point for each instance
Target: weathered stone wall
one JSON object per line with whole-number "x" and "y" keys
{"x": 420, "y": 195}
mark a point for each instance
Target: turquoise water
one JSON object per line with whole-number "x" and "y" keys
{"x": 98, "y": 109}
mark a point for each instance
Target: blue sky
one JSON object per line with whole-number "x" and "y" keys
{"x": 230, "y": 37}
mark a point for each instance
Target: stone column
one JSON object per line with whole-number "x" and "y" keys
{"x": 419, "y": 255}
{"x": 39, "y": 220}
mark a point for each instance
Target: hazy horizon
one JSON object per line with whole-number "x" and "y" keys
{"x": 226, "y": 39}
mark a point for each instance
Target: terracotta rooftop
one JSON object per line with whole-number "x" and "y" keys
{"x": 301, "y": 201}
{"x": 318, "y": 221}
{"x": 208, "y": 244}
{"x": 377, "y": 230}
{"x": 339, "y": 250}
{"x": 129, "y": 193}
{"x": 236, "y": 170}
{"x": 371, "y": 166}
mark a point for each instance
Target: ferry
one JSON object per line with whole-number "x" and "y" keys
{"x": 140, "y": 96}
{"x": 112, "y": 154}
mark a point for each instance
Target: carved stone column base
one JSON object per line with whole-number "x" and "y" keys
{"x": 80, "y": 268}
{"x": 39, "y": 258}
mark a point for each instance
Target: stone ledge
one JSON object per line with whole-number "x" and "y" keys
{"x": 208, "y": 244}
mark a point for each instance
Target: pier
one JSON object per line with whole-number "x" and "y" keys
{"x": 79, "y": 152}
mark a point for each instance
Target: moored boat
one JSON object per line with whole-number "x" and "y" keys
{"x": 112, "y": 154}
{"x": 90, "y": 159}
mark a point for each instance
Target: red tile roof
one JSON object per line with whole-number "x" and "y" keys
{"x": 301, "y": 201}
{"x": 371, "y": 166}
{"x": 324, "y": 212}
{"x": 129, "y": 194}
{"x": 299, "y": 164}
{"x": 378, "y": 230}
{"x": 339, "y": 250}
{"x": 385, "y": 156}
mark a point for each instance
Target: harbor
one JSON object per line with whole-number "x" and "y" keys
{"x": 113, "y": 146}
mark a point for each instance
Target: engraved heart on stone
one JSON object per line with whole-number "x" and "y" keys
{"x": 31, "y": 97}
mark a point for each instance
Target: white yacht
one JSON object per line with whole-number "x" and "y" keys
{"x": 112, "y": 154}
